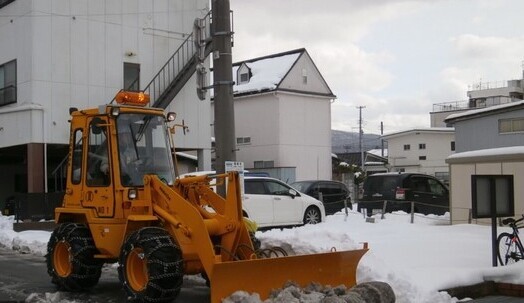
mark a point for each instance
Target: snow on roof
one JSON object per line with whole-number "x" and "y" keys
{"x": 427, "y": 130}
{"x": 482, "y": 110}
{"x": 267, "y": 72}
{"x": 499, "y": 154}
{"x": 378, "y": 152}
{"x": 188, "y": 156}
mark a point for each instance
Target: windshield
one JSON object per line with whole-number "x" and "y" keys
{"x": 143, "y": 148}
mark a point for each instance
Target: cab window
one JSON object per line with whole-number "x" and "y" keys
{"x": 98, "y": 166}
{"x": 77, "y": 157}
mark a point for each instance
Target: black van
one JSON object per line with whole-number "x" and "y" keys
{"x": 399, "y": 189}
{"x": 335, "y": 195}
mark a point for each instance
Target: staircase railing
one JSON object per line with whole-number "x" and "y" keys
{"x": 177, "y": 70}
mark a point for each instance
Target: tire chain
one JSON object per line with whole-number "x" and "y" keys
{"x": 91, "y": 271}
{"x": 162, "y": 241}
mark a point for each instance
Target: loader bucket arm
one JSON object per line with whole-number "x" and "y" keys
{"x": 263, "y": 275}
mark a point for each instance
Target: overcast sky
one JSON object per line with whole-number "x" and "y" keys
{"x": 395, "y": 57}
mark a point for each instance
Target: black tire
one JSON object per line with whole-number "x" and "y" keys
{"x": 312, "y": 215}
{"x": 70, "y": 258}
{"x": 151, "y": 266}
{"x": 508, "y": 251}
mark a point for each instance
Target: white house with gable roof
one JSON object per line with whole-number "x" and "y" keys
{"x": 283, "y": 116}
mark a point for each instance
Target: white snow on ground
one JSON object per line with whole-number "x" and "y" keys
{"x": 417, "y": 260}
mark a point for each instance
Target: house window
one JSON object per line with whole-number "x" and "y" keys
{"x": 511, "y": 125}
{"x": 264, "y": 164}
{"x": 422, "y": 157}
{"x": 131, "y": 76}
{"x": 8, "y": 83}
{"x": 304, "y": 76}
{"x": 407, "y": 147}
{"x": 422, "y": 146}
{"x": 452, "y": 145}
{"x": 244, "y": 78}
{"x": 5, "y": 2}
{"x": 243, "y": 140}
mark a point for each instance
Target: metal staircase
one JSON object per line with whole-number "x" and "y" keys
{"x": 172, "y": 77}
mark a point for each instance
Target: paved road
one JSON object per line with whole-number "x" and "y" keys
{"x": 23, "y": 278}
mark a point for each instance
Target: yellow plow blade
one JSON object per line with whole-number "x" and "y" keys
{"x": 263, "y": 275}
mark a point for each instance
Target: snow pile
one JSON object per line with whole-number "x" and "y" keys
{"x": 30, "y": 241}
{"x": 417, "y": 260}
{"x": 376, "y": 292}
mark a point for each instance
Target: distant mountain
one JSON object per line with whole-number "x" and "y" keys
{"x": 348, "y": 142}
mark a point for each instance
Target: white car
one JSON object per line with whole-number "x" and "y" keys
{"x": 270, "y": 203}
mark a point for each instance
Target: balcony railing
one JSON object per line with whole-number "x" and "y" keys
{"x": 472, "y": 104}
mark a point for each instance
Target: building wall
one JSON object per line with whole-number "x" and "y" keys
{"x": 438, "y": 148}
{"x": 290, "y": 129}
{"x": 305, "y": 135}
{"x": 483, "y": 132}
{"x": 304, "y": 66}
{"x": 256, "y": 117}
{"x": 72, "y": 55}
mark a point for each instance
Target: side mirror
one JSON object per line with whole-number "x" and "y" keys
{"x": 293, "y": 193}
{"x": 96, "y": 124}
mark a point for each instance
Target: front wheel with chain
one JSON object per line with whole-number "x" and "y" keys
{"x": 151, "y": 266}
{"x": 70, "y": 258}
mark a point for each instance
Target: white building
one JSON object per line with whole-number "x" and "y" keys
{"x": 283, "y": 116}
{"x": 60, "y": 54}
{"x": 421, "y": 150}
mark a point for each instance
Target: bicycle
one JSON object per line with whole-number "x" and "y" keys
{"x": 510, "y": 249}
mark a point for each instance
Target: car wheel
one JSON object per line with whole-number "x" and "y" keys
{"x": 312, "y": 215}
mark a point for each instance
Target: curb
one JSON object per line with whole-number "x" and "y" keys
{"x": 487, "y": 288}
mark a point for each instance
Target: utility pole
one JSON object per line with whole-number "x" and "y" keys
{"x": 224, "y": 123}
{"x": 360, "y": 133}
{"x": 381, "y": 139}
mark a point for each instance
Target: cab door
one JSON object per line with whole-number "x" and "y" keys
{"x": 98, "y": 190}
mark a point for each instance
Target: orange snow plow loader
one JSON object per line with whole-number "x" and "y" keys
{"x": 123, "y": 204}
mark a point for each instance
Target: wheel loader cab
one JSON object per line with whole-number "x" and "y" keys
{"x": 112, "y": 149}
{"x": 143, "y": 148}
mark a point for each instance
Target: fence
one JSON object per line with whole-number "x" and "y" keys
{"x": 411, "y": 205}
{"x": 33, "y": 206}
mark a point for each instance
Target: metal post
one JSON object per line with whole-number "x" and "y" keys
{"x": 412, "y": 212}
{"x": 384, "y": 209}
{"x": 223, "y": 87}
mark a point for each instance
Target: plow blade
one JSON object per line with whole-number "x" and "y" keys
{"x": 263, "y": 275}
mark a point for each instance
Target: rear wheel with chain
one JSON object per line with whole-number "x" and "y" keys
{"x": 151, "y": 266}
{"x": 70, "y": 258}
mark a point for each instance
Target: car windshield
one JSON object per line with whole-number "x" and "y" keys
{"x": 301, "y": 186}
{"x": 382, "y": 184}
{"x": 143, "y": 148}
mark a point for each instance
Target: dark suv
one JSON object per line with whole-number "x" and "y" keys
{"x": 334, "y": 193}
{"x": 429, "y": 194}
